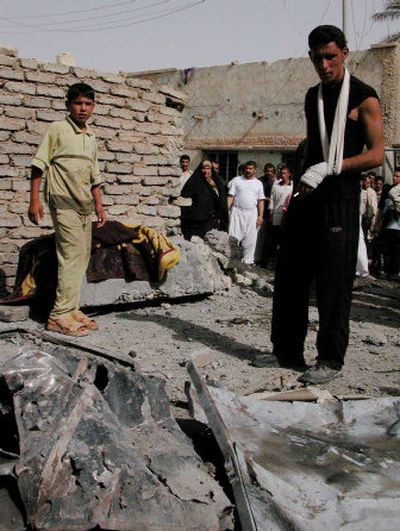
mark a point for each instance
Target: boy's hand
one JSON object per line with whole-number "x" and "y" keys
{"x": 259, "y": 221}
{"x": 101, "y": 216}
{"x": 35, "y": 212}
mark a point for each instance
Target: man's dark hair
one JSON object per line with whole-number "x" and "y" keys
{"x": 324, "y": 35}
{"x": 251, "y": 163}
{"x": 372, "y": 174}
{"x": 80, "y": 89}
{"x": 269, "y": 166}
{"x": 184, "y": 157}
{"x": 379, "y": 178}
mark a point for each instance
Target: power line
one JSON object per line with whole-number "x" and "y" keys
{"x": 125, "y": 22}
{"x": 93, "y": 18}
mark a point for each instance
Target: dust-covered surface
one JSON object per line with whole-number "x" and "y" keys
{"x": 234, "y": 325}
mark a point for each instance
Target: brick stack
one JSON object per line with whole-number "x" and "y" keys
{"x": 138, "y": 127}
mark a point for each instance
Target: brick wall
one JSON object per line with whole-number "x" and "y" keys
{"x": 138, "y": 127}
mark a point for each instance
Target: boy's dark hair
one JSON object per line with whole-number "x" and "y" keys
{"x": 326, "y": 34}
{"x": 184, "y": 157}
{"x": 251, "y": 163}
{"x": 80, "y": 89}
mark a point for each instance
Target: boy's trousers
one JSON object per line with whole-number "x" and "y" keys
{"x": 73, "y": 232}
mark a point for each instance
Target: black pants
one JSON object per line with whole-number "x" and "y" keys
{"x": 319, "y": 243}
{"x": 391, "y": 251}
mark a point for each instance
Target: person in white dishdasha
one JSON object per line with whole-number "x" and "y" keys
{"x": 246, "y": 210}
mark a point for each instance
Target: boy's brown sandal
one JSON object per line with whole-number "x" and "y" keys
{"x": 66, "y": 325}
{"x": 80, "y": 317}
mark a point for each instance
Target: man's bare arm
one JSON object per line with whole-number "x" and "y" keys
{"x": 35, "y": 210}
{"x": 260, "y": 208}
{"x": 98, "y": 205}
{"x": 370, "y": 116}
{"x": 230, "y": 201}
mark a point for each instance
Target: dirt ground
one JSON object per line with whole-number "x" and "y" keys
{"x": 234, "y": 326}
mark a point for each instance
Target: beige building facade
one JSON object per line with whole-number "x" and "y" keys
{"x": 238, "y": 112}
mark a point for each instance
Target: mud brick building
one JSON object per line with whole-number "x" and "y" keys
{"x": 139, "y": 132}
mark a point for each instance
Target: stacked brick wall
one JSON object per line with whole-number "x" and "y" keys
{"x": 138, "y": 127}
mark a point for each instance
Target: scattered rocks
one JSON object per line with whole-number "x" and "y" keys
{"x": 13, "y": 314}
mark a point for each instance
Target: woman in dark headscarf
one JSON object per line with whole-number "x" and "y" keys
{"x": 209, "y": 206}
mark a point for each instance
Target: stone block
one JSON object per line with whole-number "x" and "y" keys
{"x": 128, "y": 157}
{"x": 5, "y": 60}
{"x": 13, "y": 314}
{"x": 169, "y": 211}
{"x": 8, "y": 171}
{"x": 21, "y": 161}
{"x": 119, "y": 168}
{"x": 10, "y": 221}
{"x": 112, "y": 78}
{"x": 39, "y": 127}
{"x": 102, "y": 110}
{"x": 136, "y": 82}
{"x": 139, "y": 169}
{"x": 100, "y": 86}
{"x": 40, "y": 77}
{"x": 123, "y": 91}
{"x": 146, "y": 149}
{"x": 10, "y": 73}
{"x": 106, "y": 155}
{"x": 81, "y": 73}
{"x": 53, "y": 92}
{"x": 154, "y": 97}
{"x": 108, "y": 122}
{"x": 149, "y": 128}
{"x": 8, "y": 50}
{"x": 29, "y": 138}
{"x": 26, "y": 233}
{"x": 117, "y": 189}
{"x": 12, "y": 124}
{"x": 30, "y": 64}
{"x": 169, "y": 171}
{"x": 50, "y": 116}
{"x": 155, "y": 160}
{"x": 125, "y": 147}
{"x": 116, "y": 210}
{"x": 141, "y": 106}
{"x": 175, "y": 94}
{"x": 59, "y": 105}
{"x": 19, "y": 112}
{"x": 20, "y": 87}
{"x": 182, "y": 201}
{"x": 39, "y": 103}
{"x": 21, "y": 184}
{"x": 56, "y": 68}
{"x": 10, "y": 99}
{"x": 197, "y": 273}
{"x": 151, "y": 200}
{"x": 4, "y": 159}
{"x": 121, "y": 112}
{"x": 129, "y": 200}
{"x": 104, "y": 133}
{"x": 153, "y": 181}
{"x": 107, "y": 99}
{"x": 128, "y": 136}
{"x": 5, "y": 135}
{"x": 166, "y": 129}
{"x": 147, "y": 210}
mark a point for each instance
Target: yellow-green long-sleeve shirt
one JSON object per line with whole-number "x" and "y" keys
{"x": 69, "y": 156}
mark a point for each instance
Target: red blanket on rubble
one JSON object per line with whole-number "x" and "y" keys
{"x": 118, "y": 251}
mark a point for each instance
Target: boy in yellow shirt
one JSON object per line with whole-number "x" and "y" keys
{"x": 68, "y": 156}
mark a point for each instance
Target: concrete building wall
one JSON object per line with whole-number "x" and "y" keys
{"x": 258, "y": 107}
{"x": 139, "y": 134}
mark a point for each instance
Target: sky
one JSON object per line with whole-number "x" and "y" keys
{"x": 137, "y": 35}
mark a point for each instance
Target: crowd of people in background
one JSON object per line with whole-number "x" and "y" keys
{"x": 252, "y": 209}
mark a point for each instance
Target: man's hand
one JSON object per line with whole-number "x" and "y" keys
{"x": 314, "y": 175}
{"x": 259, "y": 221}
{"x": 35, "y": 212}
{"x": 101, "y": 216}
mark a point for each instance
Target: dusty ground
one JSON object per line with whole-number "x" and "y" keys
{"x": 235, "y": 325}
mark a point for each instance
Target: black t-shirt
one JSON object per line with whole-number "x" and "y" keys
{"x": 354, "y": 140}
{"x": 344, "y": 186}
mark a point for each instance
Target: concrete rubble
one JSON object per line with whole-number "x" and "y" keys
{"x": 333, "y": 464}
{"x": 88, "y": 443}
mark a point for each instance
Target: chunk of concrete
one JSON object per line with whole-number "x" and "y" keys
{"x": 13, "y": 314}
{"x": 197, "y": 273}
{"x": 93, "y": 446}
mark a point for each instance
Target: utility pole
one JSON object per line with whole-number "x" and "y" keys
{"x": 344, "y": 17}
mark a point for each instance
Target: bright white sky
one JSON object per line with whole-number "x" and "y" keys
{"x": 152, "y": 34}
